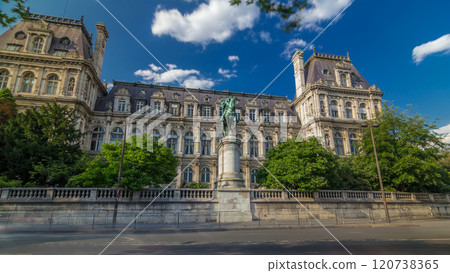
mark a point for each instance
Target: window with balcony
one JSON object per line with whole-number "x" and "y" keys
{"x": 205, "y": 175}
{"x": 188, "y": 174}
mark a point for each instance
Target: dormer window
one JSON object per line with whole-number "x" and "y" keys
{"x": 175, "y": 96}
{"x": 174, "y": 109}
{"x": 266, "y": 116}
{"x": 190, "y": 110}
{"x": 20, "y": 35}
{"x": 325, "y": 72}
{"x": 343, "y": 79}
{"x": 207, "y": 111}
{"x": 65, "y": 41}
{"x": 139, "y": 105}
{"x": 206, "y": 98}
{"x": 238, "y": 114}
{"x": 280, "y": 116}
{"x": 157, "y": 106}
{"x": 252, "y": 114}
{"x": 122, "y": 105}
{"x": 37, "y": 45}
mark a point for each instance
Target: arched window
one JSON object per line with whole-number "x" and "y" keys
{"x": 353, "y": 144}
{"x": 52, "y": 85}
{"x": 97, "y": 139}
{"x": 116, "y": 134}
{"x": 254, "y": 147}
{"x": 27, "y": 82}
{"x": 348, "y": 110}
{"x": 205, "y": 175}
{"x": 253, "y": 175}
{"x": 338, "y": 144}
{"x": 241, "y": 147}
{"x": 37, "y": 45}
{"x": 156, "y": 135}
{"x": 334, "y": 109}
{"x": 188, "y": 174}
{"x": 363, "y": 111}
{"x": 206, "y": 145}
{"x": 343, "y": 80}
{"x": 136, "y": 132}
{"x": 172, "y": 141}
{"x": 189, "y": 143}
{"x": 269, "y": 144}
{"x": 70, "y": 87}
{"x": 4, "y": 76}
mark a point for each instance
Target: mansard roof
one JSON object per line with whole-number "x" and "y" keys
{"x": 81, "y": 41}
{"x": 204, "y": 96}
{"x": 318, "y": 62}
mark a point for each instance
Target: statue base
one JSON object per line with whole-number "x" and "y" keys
{"x": 228, "y": 162}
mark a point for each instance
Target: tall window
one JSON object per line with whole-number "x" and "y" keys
{"x": 363, "y": 111}
{"x": 238, "y": 115}
{"x": 334, "y": 109}
{"x": 37, "y": 45}
{"x": 254, "y": 147}
{"x": 174, "y": 109}
{"x": 338, "y": 144}
{"x": 156, "y": 135}
{"x": 27, "y": 82}
{"x": 188, "y": 173}
{"x": 97, "y": 139}
{"x": 52, "y": 85}
{"x": 253, "y": 175}
{"x": 189, "y": 143}
{"x": 348, "y": 110}
{"x": 343, "y": 80}
{"x": 116, "y": 134}
{"x": 205, "y": 175}
{"x": 353, "y": 144}
{"x": 241, "y": 147}
{"x": 4, "y": 76}
{"x": 241, "y": 172}
{"x": 139, "y": 105}
{"x": 122, "y": 105}
{"x": 157, "y": 105}
{"x": 220, "y": 111}
{"x": 322, "y": 108}
{"x": 70, "y": 87}
{"x": 206, "y": 145}
{"x": 207, "y": 111}
{"x": 281, "y": 117}
{"x": 172, "y": 141}
{"x": 269, "y": 144}
{"x": 190, "y": 110}
{"x": 252, "y": 114}
{"x": 266, "y": 116}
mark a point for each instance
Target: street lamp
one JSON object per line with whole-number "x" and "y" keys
{"x": 119, "y": 177}
{"x": 370, "y": 125}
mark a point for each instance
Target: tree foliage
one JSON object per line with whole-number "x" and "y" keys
{"x": 7, "y": 105}
{"x": 140, "y": 167}
{"x": 408, "y": 152}
{"x": 18, "y": 11}
{"x": 282, "y": 8}
{"x": 301, "y": 165}
{"x": 41, "y": 146}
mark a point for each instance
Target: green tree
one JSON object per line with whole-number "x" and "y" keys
{"x": 7, "y": 105}
{"x": 41, "y": 146}
{"x": 18, "y": 11}
{"x": 408, "y": 152}
{"x": 301, "y": 165}
{"x": 140, "y": 167}
{"x": 285, "y": 9}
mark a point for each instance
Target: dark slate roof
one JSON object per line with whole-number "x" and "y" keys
{"x": 61, "y": 27}
{"x": 316, "y": 64}
{"x": 134, "y": 89}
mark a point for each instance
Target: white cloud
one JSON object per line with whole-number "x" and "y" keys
{"x": 292, "y": 46}
{"x": 187, "y": 77}
{"x": 233, "y": 59}
{"x": 444, "y": 131}
{"x": 265, "y": 36}
{"x": 214, "y": 21}
{"x": 318, "y": 12}
{"x": 441, "y": 44}
{"x": 227, "y": 73}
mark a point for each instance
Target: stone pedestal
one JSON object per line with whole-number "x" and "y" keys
{"x": 229, "y": 176}
{"x": 233, "y": 205}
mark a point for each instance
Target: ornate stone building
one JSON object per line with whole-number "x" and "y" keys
{"x": 48, "y": 59}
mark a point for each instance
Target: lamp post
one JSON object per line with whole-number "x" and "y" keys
{"x": 386, "y": 211}
{"x": 119, "y": 177}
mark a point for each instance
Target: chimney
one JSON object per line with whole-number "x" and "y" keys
{"x": 99, "y": 50}
{"x": 299, "y": 73}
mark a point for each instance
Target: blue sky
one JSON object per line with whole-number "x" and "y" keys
{"x": 208, "y": 44}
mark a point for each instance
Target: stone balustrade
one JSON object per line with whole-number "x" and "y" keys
{"x": 177, "y": 195}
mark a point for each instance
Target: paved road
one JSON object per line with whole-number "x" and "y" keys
{"x": 422, "y": 237}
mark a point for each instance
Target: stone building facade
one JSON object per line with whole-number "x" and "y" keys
{"x": 52, "y": 59}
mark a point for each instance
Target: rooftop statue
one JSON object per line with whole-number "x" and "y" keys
{"x": 228, "y": 117}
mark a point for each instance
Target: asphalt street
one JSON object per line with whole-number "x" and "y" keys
{"x": 424, "y": 237}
